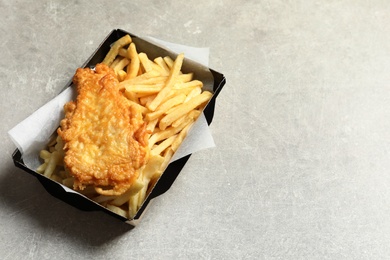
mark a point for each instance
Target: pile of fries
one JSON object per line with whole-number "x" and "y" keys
{"x": 170, "y": 102}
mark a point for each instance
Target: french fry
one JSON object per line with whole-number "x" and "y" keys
{"x": 45, "y": 155}
{"x": 189, "y": 84}
{"x": 133, "y": 205}
{"x": 121, "y": 64}
{"x": 165, "y": 69}
{"x": 41, "y": 168}
{"x": 114, "y": 50}
{"x": 168, "y": 154}
{"x": 168, "y": 60}
{"x": 144, "y": 79}
{"x": 121, "y": 75}
{"x": 142, "y": 194}
{"x": 152, "y": 125}
{"x": 145, "y": 89}
{"x": 133, "y": 69}
{"x": 145, "y": 62}
{"x": 123, "y": 53}
{"x": 183, "y": 78}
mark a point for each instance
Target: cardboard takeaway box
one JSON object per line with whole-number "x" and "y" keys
{"x": 213, "y": 81}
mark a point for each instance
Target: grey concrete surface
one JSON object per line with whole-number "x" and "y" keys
{"x": 302, "y": 158}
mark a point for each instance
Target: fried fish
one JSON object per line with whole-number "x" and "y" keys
{"x": 105, "y": 137}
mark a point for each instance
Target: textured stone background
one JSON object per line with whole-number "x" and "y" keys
{"x": 301, "y": 167}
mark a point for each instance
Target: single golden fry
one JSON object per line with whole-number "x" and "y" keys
{"x": 133, "y": 69}
{"x": 189, "y": 84}
{"x": 145, "y": 62}
{"x": 168, "y": 60}
{"x": 183, "y": 78}
{"x": 41, "y": 168}
{"x": 148, "y": 89}
{"x": 114, "y": 50}
{"x": 133, "y": 205}
{"x": 115, "y": 62}
{"x": 121, "y": 74}
{"x": 152, "y": 125}
{"x": 59, "y": 146}
{"x": 45, "y": 155}
{"x": 123, "y": 53}
{"x": 167, "y": 158}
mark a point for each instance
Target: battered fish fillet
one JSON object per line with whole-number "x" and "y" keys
{"x": 105, "y": 138}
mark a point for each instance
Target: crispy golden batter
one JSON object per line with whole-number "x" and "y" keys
{"x": 105, "y": 137}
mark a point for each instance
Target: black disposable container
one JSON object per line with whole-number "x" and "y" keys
{"x": 168, "y": 177}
